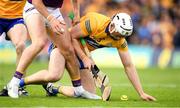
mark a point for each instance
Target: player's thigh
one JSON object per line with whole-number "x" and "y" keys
{"x": 18, "y": 34}
{"x": 36, "y": 27}
{"x": 62, "y": 41}
{"x": 56, "y": 63}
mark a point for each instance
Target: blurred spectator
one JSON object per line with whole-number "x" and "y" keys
{"x": 168, "y": 31}
{"x": 176, "y": 40}
{"x": 143, "y": 32}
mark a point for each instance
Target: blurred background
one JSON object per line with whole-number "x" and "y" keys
{"x": 154, "y": 43}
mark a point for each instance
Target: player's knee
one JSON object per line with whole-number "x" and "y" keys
{"x": 39, "y": 44}
{"x": 53, "y": 78}
{"x": 68, "y": 53}
{"x": 20, "y": 47}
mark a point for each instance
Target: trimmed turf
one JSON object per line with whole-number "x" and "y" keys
{"x": 164, "y": 84}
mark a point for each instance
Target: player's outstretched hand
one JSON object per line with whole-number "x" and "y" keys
{"x": 147, "y": 97}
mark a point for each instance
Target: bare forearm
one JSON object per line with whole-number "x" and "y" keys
{"x": 134, "y": 78}
{"x": 78, "y": 49}
{"x": 76, "y": 8}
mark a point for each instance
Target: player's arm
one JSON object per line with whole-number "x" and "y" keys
{"x": 132, "y": 74}
{"x": 81, "y": 54}
{"x": 76, "y": 11}
{"x": 55, "y": 24}
{"x": 76, "y": 34}
{"x": 79, "y": 31}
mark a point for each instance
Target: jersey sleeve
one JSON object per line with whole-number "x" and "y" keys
{"x": 121, "y": 45}
{"x": 88, "y": 25}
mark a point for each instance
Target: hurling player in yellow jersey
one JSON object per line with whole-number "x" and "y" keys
{"x": 12, "y": 24}
{"x": 101, "y": 31}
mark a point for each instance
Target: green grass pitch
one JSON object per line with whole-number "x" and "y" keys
{"x": 164, "y": 84}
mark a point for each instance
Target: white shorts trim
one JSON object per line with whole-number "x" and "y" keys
{"x": 29, "y": 9}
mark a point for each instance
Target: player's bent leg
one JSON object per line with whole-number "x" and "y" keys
{"x": 18, "y": 36}
{"x": 68, "y": 91}
{"x": 38, "y": 37}
{"x": 63, "y": 42}
{"x": 87, "y": 80}
{"x": 55, "y": 72}
{"x": 56, "y": 65}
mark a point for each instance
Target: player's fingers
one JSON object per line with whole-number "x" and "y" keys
{"x": 152, "y": 98}
{"x": 146, "y": 99}
{"x": 62, "y": 22}
{"x": 60, "y": 29}
{"x": 57, "y": 31}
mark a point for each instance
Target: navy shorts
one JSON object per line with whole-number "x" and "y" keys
{"x": 7, "y": 24}
{"x": 81, "y": 64}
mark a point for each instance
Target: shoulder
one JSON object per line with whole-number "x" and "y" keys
{"x": 121, "y": 44}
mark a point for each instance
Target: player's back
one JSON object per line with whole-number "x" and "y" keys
{"x": 10, "y": 9}
{"x": 94, "y": 24}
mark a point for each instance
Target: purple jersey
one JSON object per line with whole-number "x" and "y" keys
{"x": 51, "y": 3}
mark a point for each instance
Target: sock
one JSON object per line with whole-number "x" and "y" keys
{"x": 22, "y": 83}
{"x": 76, "y": 83}
{"x": 78, "y": 89}
{"x": 18, "y": 75}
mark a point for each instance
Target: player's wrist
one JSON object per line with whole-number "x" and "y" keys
{"x": 83, "y": 57}
{"x": 141, "y": 93}
{"x": 50, "y": 18}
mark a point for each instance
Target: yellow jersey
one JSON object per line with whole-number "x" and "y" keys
{"x": 95, "y": 26}
{"x": 11, "y": 9}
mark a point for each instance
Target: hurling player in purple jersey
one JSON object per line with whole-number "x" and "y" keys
{"x": 39, "y": 14}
